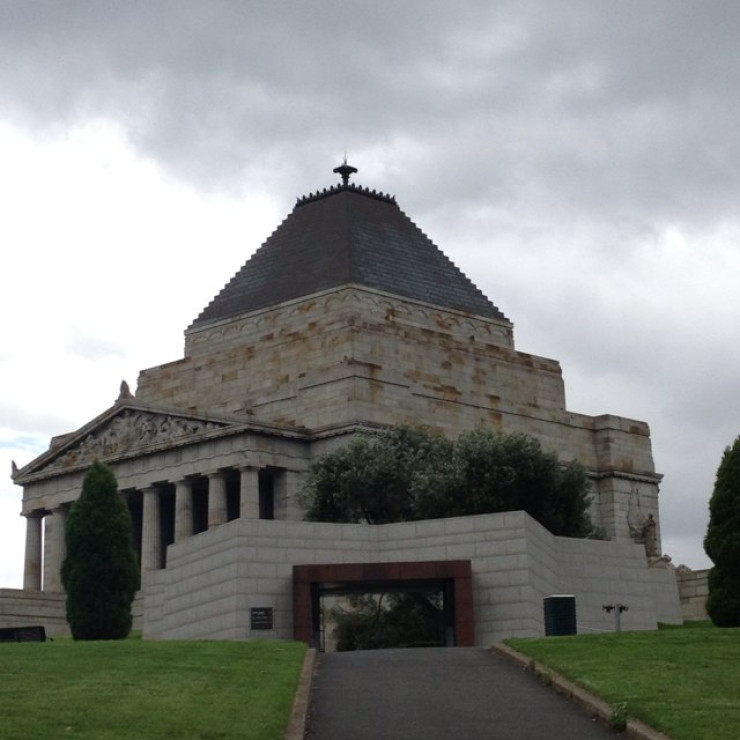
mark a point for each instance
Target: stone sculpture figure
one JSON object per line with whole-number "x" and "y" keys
{"x": 650, "y": 537}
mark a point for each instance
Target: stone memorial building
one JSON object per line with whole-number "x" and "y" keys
{"x": 348, "y": 318}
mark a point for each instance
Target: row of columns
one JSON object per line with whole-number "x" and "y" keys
{"x": 151, "y": 524}
{"x": 152, "y": 545}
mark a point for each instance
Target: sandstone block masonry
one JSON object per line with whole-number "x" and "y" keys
{"x": 355, "y": 356}
{"x": 347, "y": 319}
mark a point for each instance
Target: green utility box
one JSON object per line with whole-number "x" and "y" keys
{"x": 560, "y": 615}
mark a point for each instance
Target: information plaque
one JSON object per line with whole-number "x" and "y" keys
{"x": 260, "y": 618}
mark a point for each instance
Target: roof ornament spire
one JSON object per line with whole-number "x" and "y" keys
{"x": 345, "y": 170}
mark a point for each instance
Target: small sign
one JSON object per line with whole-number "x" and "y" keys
{"x": 260, "y": 618}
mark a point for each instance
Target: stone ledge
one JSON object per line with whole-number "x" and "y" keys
{"x": 297, "y": 725}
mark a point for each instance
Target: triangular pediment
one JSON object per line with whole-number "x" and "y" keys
{"x": 124, "y": 430}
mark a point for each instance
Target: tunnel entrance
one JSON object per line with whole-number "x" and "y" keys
{"x": 450, "y": 579}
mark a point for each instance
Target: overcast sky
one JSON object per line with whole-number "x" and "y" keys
{"x": 578, "y": 159}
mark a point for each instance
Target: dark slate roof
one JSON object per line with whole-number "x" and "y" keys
{"x": 346, "y": 235}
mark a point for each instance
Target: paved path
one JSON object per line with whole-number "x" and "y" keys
{"x": 438, "y": 694}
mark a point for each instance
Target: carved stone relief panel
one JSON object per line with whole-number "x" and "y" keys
{"x": 132, "y": 430}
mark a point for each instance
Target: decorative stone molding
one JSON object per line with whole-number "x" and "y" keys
{"x": 132, "y": 430}
{"x": 392, "y": 307}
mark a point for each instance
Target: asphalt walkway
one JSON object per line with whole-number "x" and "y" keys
{"x": 438, "y": 694}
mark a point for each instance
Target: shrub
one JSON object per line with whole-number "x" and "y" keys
{"x": 722, "y": 541}
{"x": 408, "y": 473}
{"x": 100, "y": 572}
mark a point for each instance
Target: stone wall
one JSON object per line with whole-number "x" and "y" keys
{"x": 19, "y": 608}
{"x": 693, "y": 588}
{"x": 214, "y": 578}
{"x": 352, "y": 354}
{"x": 356, "y": 356}
{"x": 31, "y": 608}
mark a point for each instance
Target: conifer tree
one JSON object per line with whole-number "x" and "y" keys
{"x": 722, "y": 541}
{"x": 100, "y": 572}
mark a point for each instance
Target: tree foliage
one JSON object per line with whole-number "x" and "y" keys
{"x": 396, "y": 619}
{"x": 100, "y": 572}
{"x": 722, "y": 541}
{"x": 409, "y": 473}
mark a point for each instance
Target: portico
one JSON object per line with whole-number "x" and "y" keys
{"x": 193, "y": 481}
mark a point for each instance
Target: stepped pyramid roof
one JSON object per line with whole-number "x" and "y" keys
{"x": 347, "y": 235}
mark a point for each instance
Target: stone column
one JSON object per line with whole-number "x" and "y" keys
{"x": 287, "y": 487}
{"x": 32, "y": 565}
{"x": 183, "y": 510}
{"x": 57, "y": 548}
{"x": 216, "y": 500}
{"x": 151, "y": 531}
{"x": 249, "y": 493}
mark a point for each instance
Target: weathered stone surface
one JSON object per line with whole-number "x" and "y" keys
{"x": 214, "y": 578}
{"x": 214, "y": 444}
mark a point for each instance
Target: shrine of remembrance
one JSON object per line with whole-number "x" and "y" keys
{"x": 346, "y": 320}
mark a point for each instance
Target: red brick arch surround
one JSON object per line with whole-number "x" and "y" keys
{"x": 308, "y": 577}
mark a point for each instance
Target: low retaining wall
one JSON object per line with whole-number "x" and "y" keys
{"x": 693, "y": 589}
{"x": 214, "y": 579}
{"x": 19, "y": 608}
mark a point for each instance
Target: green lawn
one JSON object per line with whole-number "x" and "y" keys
{"x": 141, "y": 689}
{"x": 683, "y": 681}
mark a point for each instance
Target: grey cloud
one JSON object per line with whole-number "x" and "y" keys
{"x": 544, "y": 146}
{"x": 27, "y": 428}
{"x": 605, "y": 108}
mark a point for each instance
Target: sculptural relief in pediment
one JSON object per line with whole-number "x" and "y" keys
{"x": 130, "y": 431}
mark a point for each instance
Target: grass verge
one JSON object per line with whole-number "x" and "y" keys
{"x": 141, "y": 689}
{"x": 683, "y": 682}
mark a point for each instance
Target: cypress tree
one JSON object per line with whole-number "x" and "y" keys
{"x": 722, "y": 541}
{"x": 100, "y": 572}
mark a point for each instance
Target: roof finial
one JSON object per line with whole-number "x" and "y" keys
{"x": 345, "y": 170}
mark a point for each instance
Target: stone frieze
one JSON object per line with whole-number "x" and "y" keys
{"x": 129, "y": 431}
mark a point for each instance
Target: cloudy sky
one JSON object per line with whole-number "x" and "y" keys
{"x": 578, "y": 159}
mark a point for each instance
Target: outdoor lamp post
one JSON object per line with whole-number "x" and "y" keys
{"x": 617, "y": 609}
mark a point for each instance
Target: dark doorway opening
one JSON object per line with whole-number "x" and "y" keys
{"x": 266, "y": 494}
{"x": 233, "y": 482}
{"x": 166, "y": 519}
{"x": 385, "y": 614}
{"x": 135, "y": 505}
{"x": 450, "y": 578}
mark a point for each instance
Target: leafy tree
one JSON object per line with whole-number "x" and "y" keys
{"x": 409, "y": 473}
{"x": 489, "y": 472}
{"x": 397, "y": 619}
{"x": 370, "y": 479}
{"x": 100, "y": 572}
{"x": 722, "y": 541}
